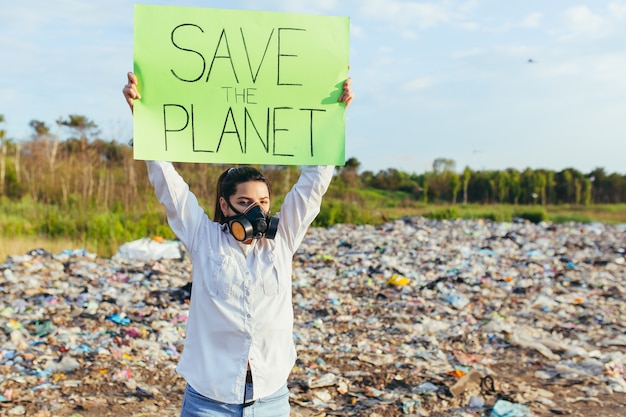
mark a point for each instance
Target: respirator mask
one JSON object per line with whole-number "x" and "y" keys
{"x": 253, "y": 223}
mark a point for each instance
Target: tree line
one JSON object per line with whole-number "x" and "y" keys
{"x": 511, "y": 186}
{"x": 70, "y": 165}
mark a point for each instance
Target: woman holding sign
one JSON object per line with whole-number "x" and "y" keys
{"x": 239, "y": 347}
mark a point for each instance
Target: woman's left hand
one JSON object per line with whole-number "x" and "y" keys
{"x": 130, "y": 91}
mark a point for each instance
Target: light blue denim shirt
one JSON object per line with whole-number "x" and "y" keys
{"x": 241, "y": 309}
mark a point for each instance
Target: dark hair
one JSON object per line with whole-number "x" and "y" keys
{"x": 227, "y": 186}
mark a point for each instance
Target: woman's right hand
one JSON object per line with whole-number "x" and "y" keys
{"x": 130, "y": 91}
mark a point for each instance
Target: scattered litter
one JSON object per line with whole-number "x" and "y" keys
{"x": 149, "y": 250}
{"x": 504, "y": 408}
{"x": 420, "y": 317}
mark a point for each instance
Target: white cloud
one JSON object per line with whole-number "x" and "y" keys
{"x": 20, "y": 18}
{"x": 357, "y": 31}
{"x": 609, "y": 68}
{"x": 30, "y": 15}
{"x": 8, "y": 94}
{"x": 409, "y": 34}
{"x": 421, "y": 83}
{"x": 561, "y": 69}
{"x": 327, "y": 5}
{"x": 517, "y": 51}
{"x": 583, "y": 21}
{"x": 469, "y": 53}
{"x": 317, "y": 7}
{"x": 422, "y": 15}
{"x": 469, "y": 26}
{"x": 594, "y": 70}
{"x": 617, "y": 9}
{"x": 532, "y": 20}
{"x": 469, "y": 5}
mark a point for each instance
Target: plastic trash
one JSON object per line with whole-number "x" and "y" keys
{"x": 469, "y": 382}
{"x": 149, "y": 250}
{"x": 426, "y": 388}
{"x": 488, "y": 311}
{"x": 475, "y": 403}
{"x": 118, "y": 318}
{"x": 325, "y": 380}
{"x": 457, "y": 300}
{"x": 398, "y": 280}
{"x": 504, "y": 408}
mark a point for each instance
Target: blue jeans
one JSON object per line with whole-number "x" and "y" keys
{"x": 197, "y": 405}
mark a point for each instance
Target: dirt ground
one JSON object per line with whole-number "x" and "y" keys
{"x": 366, "y": 348}
{"x": 158, "y": 392}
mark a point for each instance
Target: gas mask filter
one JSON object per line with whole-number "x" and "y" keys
{"x": 253, "y": 223}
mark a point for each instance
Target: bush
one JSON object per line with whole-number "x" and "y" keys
{"x": 501, "y": 215}
{"x": 342, "y": 212}
{"x": 12, "y": 226}
{"x": 448, "y": 213}
{"x": 490, "y": 216}
{"x": 537, "y": 215}
{"x": 56, "y": 224}
{"x": 567, "y": 218}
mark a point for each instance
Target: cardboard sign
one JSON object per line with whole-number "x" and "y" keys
{"x": 242, "y": 87}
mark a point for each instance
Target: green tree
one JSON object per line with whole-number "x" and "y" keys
{"x": 599, "y": 192}
{"x": 43, "y": 150}
{"x": 578, "y": 190}
{"x": 481, "y": 187}
{"x": 527, "y": 182}
{"x": 439, "y": 182}
{"x": 455, "y": 186}
{"x": 502, "y": 184}
{"x": 493, "y": 187}
{"x": 587, "y": 191}
{"x": 390, "y": 179}
{"x": 550, "y": 187}
{"x": 442, "y": 165}
{"x": 515, "y": 185}
{"x": 567, "y": 185}
{"x": 615, "y": 184}
{"x": 467, "y": 175}
{"x": 349, "y": 172}
{"x": 84, "y": 128}
{"x": 541, "y": 182}
{"x": 367, "y": 178}
{"x": 3, "y": 156}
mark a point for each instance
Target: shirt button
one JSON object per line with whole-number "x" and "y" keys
{"x": 247, "y": 293}
{"x": 248, "y": 315}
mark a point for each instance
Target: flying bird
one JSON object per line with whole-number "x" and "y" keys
{"x": 531, "y": 61}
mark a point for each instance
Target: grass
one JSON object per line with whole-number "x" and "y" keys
{"x": 24, "y": 227}
{"x": 609, "y": 213}
{"x": 21, "y": 245}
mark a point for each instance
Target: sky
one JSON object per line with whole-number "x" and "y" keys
{"x": 489, "y": 84}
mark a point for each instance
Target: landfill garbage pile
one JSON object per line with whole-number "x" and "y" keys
{"x": 414, "y": 317}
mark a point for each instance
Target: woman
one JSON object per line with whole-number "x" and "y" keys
{"x": 239, "y": 346}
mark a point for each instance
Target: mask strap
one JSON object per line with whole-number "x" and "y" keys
{"x": 237, "y": 212}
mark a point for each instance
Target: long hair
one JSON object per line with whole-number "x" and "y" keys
{"x": 227, "y": 186}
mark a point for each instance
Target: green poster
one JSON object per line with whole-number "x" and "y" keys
{"x": 240, "y": 87}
